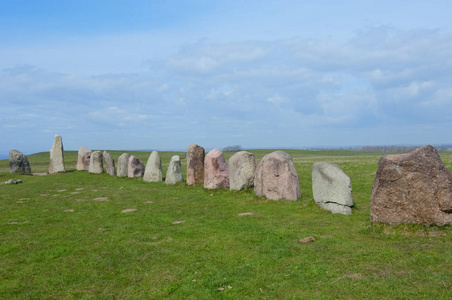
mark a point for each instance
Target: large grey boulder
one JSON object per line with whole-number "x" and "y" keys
{"x": 56, "y": 156}
{"x": 412, "y": 188}
{"x": 216, "y": 170}
{"x": 96, "y": 165}
{"x": 83, "y": 158}
{"x": 174, "y": 173}
{"x": 18, "y": 162}
{"x": 153, "y": 171}
{"x": 242, "y": 166}
{"x": 135, "y": 167}
{"x": 109, "y": 163}
{"x": 195, "y": 164}
{"x": 123, "y": 165}
{"x": 332, "y": 188}
{"x": 276, "y": 177}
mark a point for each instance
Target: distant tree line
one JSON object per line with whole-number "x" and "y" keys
{"x": 234, "y": 148}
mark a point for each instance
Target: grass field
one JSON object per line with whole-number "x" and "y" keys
{"x": 65, "y": 236}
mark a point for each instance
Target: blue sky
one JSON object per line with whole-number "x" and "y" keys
{"x": 261, "y": 74}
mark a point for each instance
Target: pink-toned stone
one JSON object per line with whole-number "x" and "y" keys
{"x": 216, "y": 171}
{"x": 276, "y": 177}
{"x": 135, "y": 167}
{"x": 195, "y": 164}
{"x": 83, "y": 158}
{"x": 412, "y": 188}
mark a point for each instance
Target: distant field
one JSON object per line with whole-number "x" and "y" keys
{"x": 65, "y": 236}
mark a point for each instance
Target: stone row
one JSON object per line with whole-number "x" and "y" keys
{"x": 408, "y": 188}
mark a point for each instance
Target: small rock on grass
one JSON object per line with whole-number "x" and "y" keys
{"x": 69, "y": 210}
{"x": 129, "y": 210}
{"x": 12, "y": 181}
{"x": 308, "y": 239}
{"x": 149, "y": 202}
{"x": 246, "y": 214}
{"x": 178, "y": 222}
{"x": 101, "y": 199}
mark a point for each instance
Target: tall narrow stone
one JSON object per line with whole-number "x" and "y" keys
{"x": 242, "y": 166}
{"x": 109, "y": 163}
{"x": 83, "y": 157}
{"x": 174, "y": 172}
{"x": 153, "y": 171}
{"x": 276, "y": 177}
{"x": 56, "y": 156}
{"x": 123, "y": 165}
{"x": 18, "y": 162}
{"x": 135, "y": 167}
{"x": 96, "y": 163}
{"x": 195, "y": 164}
{"x": 216, "y": 171}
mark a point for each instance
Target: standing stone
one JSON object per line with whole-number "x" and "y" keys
{"x": 216, "y": 171}
{"x": 109, "y": 163}
{"x": 195, "y": 164}
{"x": 242, "y": 166}
{"x": 153, "y": 171}
{"x": 412, "y": 188}
{"x": 174, "y": 172}
{"x": 135, "y": 167}
{"x": 332, "y": 188}
{"x": 83, "y": 158}
{"x": 123, "y": 165}
{"x": 18, "y": 162}
{"x": 276, "y": 177}
{"x": 56, "y": 156}
{"x": 96, "y": 163}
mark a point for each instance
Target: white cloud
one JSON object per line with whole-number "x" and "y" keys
{"x": 258, "y": 92}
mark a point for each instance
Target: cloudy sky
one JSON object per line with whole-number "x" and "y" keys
{"x": 260, "y": 74}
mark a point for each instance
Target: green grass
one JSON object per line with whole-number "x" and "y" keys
{"x": 96, "y": 251}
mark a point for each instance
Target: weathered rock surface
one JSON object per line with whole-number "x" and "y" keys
{"x": 56, "y": 156}
{"x": 216, "y": 171}
{"x": 153, "y": 171}
{"x": 332, "y": 188}
{"x": 83, "y": 157}
{"x": 174, "y": 173}
{"x": 18, "y": 162}
{"x": 412, "y": 188}
{"x": 242, "y": 166}
{"x": 195, "y": 164}
{"x": 135, "y": 168}
{"x": 276, "y": 177}
{"x": 109, "y": 163}
{"x": 123, "y": 165}
{"x": 96, "y": 164}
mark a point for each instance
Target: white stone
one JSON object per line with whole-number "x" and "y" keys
{"x": 56, "y": 156}
{"x": 109, "y": 163}
{"x": 332, "y": 188}
{"x": 242, "y": 166}
{"x": 83, "y": 158}
{"x": 174, "y": 173}
{"x": 153, "y": 171}
{"x": 123, "y": 165}
{"x": 135, "y": 167}
{"x": 96, "y": 165}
